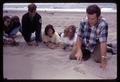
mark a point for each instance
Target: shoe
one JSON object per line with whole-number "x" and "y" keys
{"x": 112, "y": 51}
{"x": 110, "y": 45}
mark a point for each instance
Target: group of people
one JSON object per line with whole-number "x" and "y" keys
{"x": 91, "y": 37}
{"x": 10, "y": 28}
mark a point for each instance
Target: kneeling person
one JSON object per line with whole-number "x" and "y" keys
{"x": 69, "y": 37}
{"x": 92, "y": 37}
{"x": 31, "y": 22}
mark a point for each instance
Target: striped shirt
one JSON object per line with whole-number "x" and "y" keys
{"x": 91, "y": 36}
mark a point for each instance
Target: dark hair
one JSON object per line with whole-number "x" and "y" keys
{"x": 73, "y": 28}
{"x": 6, "y": 28}
{"x": 49, "y": 26}
{"x": 15, "y": 21}
{"x": 6, "y": 17}
{"x": 32, "y": 7}
{"x": 93, "y": 9}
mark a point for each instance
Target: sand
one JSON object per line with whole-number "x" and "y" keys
{"x": 25, "y": 62}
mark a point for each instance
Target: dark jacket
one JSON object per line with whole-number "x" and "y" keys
{"x": 30, "y": 26}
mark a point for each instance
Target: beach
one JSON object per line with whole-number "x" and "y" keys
{"x": 30, "y": 62}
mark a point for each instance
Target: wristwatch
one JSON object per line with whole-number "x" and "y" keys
{"x": 104, "y": 57}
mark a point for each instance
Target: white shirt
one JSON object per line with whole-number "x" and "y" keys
{"x": 55, "y": 38}
{"x": 66, "y": 40}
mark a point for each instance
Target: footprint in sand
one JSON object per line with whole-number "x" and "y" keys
{"x": 77, "y": 69}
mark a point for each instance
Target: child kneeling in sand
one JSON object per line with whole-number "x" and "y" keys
{"x": 69, "y": 37}
{"x": 50, "y": 37}
{"x": 11, "y": 27}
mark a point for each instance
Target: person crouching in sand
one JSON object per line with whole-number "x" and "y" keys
{"x": 50, "y": 37}
{"x": 11, "y": 27}
{"x": 69, "y": 37}
{"x": 92, "y": 37}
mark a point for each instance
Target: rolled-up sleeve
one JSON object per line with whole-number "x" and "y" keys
{"x": 80, "y": 30}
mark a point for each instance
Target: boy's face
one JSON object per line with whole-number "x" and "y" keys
{"x": 32, "y": 13}
{"x": 92, "y": 19}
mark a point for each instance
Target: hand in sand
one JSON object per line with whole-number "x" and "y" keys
{"x": 79, "y": 55}
{"x": 103, "y": 63}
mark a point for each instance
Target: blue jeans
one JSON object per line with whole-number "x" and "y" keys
{"x": 14, "y": 32}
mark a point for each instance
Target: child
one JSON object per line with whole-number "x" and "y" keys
{"x": 31, "y": 23}
{"x": 11, "y": 27}
{"x": 69, "y": 37}
{"x": 50, "y": 37}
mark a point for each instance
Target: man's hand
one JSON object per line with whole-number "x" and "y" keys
{"x": 103, "y": 63}
{"x": 79, "y": 55}
{"x": 103, "y": 51}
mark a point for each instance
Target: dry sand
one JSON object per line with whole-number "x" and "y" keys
{"x": 25, "y": 62}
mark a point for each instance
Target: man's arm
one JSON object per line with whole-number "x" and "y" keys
{"x": 103, "y": 44}
{"x": 78, "y": 54}
{"x": 103, "y": 52}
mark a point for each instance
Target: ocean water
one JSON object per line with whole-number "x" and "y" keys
{"x": 106, "y": 7}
